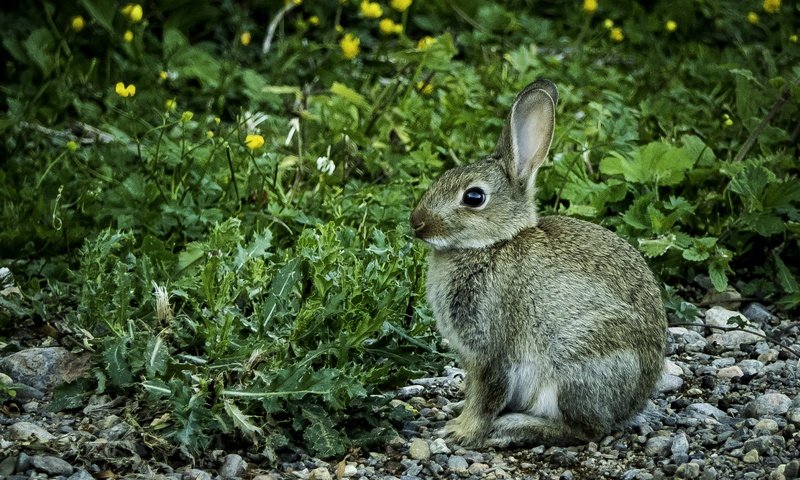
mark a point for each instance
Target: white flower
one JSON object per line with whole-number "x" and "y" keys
{"x": 294, "y": 125}
{"x": 253, "y": 120}
{"x": 325, "y": 164}
{"x": 163, "y": 308}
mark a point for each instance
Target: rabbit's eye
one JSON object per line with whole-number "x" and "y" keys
{"x": 474, "y": 197}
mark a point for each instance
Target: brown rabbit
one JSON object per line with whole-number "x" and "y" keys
{"x": 558, "y": 322}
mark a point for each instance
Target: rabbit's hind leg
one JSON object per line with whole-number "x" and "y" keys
{"x": 522, "y": 430}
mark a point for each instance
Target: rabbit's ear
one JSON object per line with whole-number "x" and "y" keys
{"x": 529, "y": 131}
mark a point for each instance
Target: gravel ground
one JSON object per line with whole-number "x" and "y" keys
{"x": 727, "y": 407}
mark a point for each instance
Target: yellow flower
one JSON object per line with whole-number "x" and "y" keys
{"x": 77, "y": 23}
{"x": 297, "y": 2}
{"x": 350, "y": 46}
{"x": 209, "y": 134}
{"x": 752, "y": 17}
{"x": 124, "y": 91}
{"x": 728, "y": 122}
{"x": 772, "y": 6}
{"x": 589, "y": 6}
{"x": 217, "y": 120}
{"x": 425, "y": 42}
{"x": 186, "y": 116}
{"x": 400, "y": 5}
{"x": 425, "y": 88}
{"x": 339, "y": 28}
{"x": 171, "y": 104}
{"x": 671, "y": 26}
{"x": 128, "y": 36}
{"x": 398, "y": 28}
{"x": 133, "y": 11}
{"x": 371, "y": 9}
{"x": 254, "y": 141}
{"x": 608, "y": 23}
{"x": 72, "y": 145}
{"x": 387, "y": 26}
{"x": 245, "y": 38}
{"x": 313, "y": 20}
{"x": 616, "y": 34}
{"x": 793, "y": 38}
{"x": 162, "y": 75}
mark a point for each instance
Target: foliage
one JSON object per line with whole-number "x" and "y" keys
{"x": 226, "y": 229}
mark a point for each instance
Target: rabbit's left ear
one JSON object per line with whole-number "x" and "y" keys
{"x": 528, "y": 132}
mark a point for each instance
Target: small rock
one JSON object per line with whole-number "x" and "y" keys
{"x": 751, "y": 367}
{"x": 680, "y": 449}
{"x": 672, "y": 368}
{"x": 45, "y": 368}
{"x": 793, "y": 415}
{"x": 410, "y": 391}
{"x": 233, "y": 466}
{"x": 768, "y": 404}
{"x": 730, "y": 372}
{"x": 457, "y": 464}
{"x": 195, "y": 474}
{"x": 767, "y": 425}
{"x": 765, "y": 445}
{"x": 23, "y": 462}
{"x": 349, "y": 471}
{"x": 723, "y": 362}
{"x": 706, "y": 410}
{"x": 669, "y": 383}
{"x": 51, "y": 465}
{"x": 719, "y": 317}
{"x": 751, "y": 457}
{"x": 26, "y": 431}
{"x": 478, "y": 469}
{"x": 694, "y": 341}
{"x": 7, "y": 466}
{"x": 792, "y": 469}
{"x": 729, "y": 298}
{"x": 439, "y": 446}
{"x": 419, "y": 449}
{"x": 320, "y": 473}
{"x": 757, "y": 313}
{"x": 688, "y": 470}
{"x": 81, "y": 475}
{"x": 658, "y": 446}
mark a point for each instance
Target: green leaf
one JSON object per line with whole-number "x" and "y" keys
{"x": 39, "y": 48}
{"x": 786, "y": 279}
{"x": 349, "y": 94}
{"x": 764, "y": 224}
{"x": 655, "y": 247}
{"x": 750, "y": 183}
{"x": 102, "y": 11}
{"x": 242, "y": 421}
{"x": 156, "y": 356}
{"x": 116, "y": 362}
{"x": 71, "y": 395}
{"x": 320, "y": 435}
{"x": 717, "y": 273}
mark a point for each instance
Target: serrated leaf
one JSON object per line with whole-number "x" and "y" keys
{"x": 157, "y": 388}
{"x": 750, "y": 183}
{"x": 38, "y": 46}
{"x": 786, "y": 278}
{"x": 70, "y": 395}
{"x": 280, "y": 292}
{"x": 119, "y": 371}
{"x": 156, "y": 356}
{"x": 320, "y": 435}
{"x": 347, "y": 93}
{"x": 102, "y": 11}
{"x": 764, "y": 224}
{"x": 655, "y": 247}
{"x": 242, "y": 421}
{"x": 695, "y": 256}
{"x": 717, "y": 273}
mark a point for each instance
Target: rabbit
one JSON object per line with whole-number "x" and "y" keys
{"x": 558, "y": 322}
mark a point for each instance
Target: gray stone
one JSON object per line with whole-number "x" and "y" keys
{"x": 45, "y": 368}
{"x": 751, "y": 457}
{"x": 751, "y": 367}
{"x": 792, "y": 469}
{"x": 706, "y": 410}
{"x": 680, "y": 449}
{"x": 727, "y": 298}
{"x": 694, "y": 341}
{"x": 688, "y": 470}
{"x": 7, "y": 466}
{"x": 349, "y": 471}
{"x": 233, "y": 466}
{"x": 195, "y": 474}
{"x": 793, "y": 415}
{"x": 51, "y": 465}
{"x": 419, "y": 449}
{"x": 27, "y": 431}
{"x": 669, "y": 383}
{"x": 410, "y": 391}
{"x": 768, "y": 404}
{"x": 672, "y": 368}
{"x": 23, "y": 462}
{"x": 767, "y": 425}
{"x": 723, "y": 362}
{"x": 709, "y": 473}
{"x": 439, "y": 446}
{"x": 766, "y": 444}
{"x": 478, "y": 469}
{"x": 757, "y": 313}
{"x": 320, "y": 473}
{"x": 658, "y": 446}
{"x": 457, "y": 464}
{"x": 81, "y": 475}
{"x": 413, "y": 468}
{"x": 730, "y": 372}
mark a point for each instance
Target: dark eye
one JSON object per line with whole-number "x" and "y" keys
{"x": 474, "y": 197}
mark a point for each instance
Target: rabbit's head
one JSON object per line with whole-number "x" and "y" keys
{"x": 492, "y": 200}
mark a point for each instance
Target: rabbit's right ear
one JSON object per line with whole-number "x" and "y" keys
{"x": 528, "y": 132}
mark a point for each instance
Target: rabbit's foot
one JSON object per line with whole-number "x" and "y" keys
{"x": 454, "y": 407}
{"x": 464, "y": 430}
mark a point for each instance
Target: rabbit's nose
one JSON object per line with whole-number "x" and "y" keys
{"x": 417, "y": 222}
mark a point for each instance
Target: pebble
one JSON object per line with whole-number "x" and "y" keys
{"x": 751, "y": 367}
{"x": 688, "y": 470}
{"x": 457, "y": 464}
{"x": 757, "y": 313}
{"x": 439, "y": 446}
{"x": 419, "y": 449}
{"x": 81, "y": 475}
{"x": 658, "y": 446}
{"x": 45, "y": 368}
{"x": 27, "y": 431}
{"x": 767, "y": 425}
{"x": 680, "y": 449}
{"x": 706, "y": 410}
{"x": 669, "y": 383}
{"x": 7, "y": 466}
{"x": 51, "y": 465}
{"x": 233, "y": 466}
{"x": 768, "y": 404}
{"x": 751, "y": 456}
{"x": 195, "y": 474}
{"x": 730, "y": 372}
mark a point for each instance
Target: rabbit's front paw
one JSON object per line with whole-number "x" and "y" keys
{"x": 467, "y": 431}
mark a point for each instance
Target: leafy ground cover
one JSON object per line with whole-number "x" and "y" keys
{"x": 212, "y": 197}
